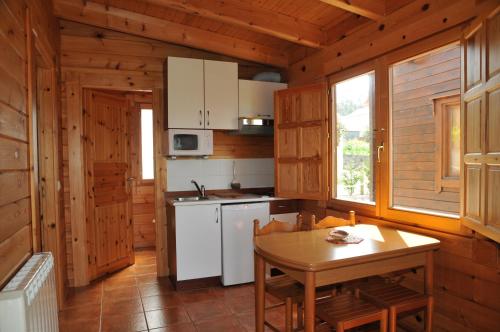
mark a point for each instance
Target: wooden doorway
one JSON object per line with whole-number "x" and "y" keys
{"x": 108, "y": 181}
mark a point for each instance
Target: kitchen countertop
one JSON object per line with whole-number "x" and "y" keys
{"x": 232, "y": 199}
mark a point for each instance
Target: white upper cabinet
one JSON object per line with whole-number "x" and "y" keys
{"x": 221, "y": 95}
{"x": 202, "y": 94}
{"x": 186, "y": 93}
{"x": 256, "y": 98}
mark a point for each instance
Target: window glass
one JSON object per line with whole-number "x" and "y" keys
{"x": 425, "y": 132}
{"x": 353, "y": 106}
{"x": 452, "y": 140}
{"x": 147, "y": 158}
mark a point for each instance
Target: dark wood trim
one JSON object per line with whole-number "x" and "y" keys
{"x": 194, "y": 283}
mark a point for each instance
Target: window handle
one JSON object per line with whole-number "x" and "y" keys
{"x": 379, "y": 149}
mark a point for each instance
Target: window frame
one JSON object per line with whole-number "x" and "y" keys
{"x": 383, "y": 209}
{"x": 140, "y": 179}
{"x": 442, "y": 158}
{"x": 367, "y": 209}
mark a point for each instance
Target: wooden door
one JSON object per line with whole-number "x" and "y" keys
{"x": 185, "y": 93}
{"x": 109, "y": 204}
{"x": 221, "y": 95}
{"x": 301, "y": 141}
{"x": 481, "y": 127}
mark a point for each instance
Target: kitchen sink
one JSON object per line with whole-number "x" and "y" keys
{"x": 194, "y": 198}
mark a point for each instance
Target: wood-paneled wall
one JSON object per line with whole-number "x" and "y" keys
{"x": 28, "y": 33}
{"x": 100, "y": 58}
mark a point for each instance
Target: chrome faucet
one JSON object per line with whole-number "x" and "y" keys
{"x": 201, "y": 190}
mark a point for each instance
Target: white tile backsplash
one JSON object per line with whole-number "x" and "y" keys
{"x": 218, "y": 173}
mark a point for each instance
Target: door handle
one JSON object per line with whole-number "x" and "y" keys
{"x": 131, "y": 178}
{"x": 379, "y": 149}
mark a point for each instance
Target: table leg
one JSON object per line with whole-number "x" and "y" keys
{"x": 309, "y": 302}
{"x": 260, "y": 283}
{"x": 429, "y": 272}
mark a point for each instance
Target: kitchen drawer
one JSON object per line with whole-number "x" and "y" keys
{"x": 283, "y": 206}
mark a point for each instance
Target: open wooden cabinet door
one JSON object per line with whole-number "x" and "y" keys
{"x": 481, "y": 126}
{"x": 301, "y": 142}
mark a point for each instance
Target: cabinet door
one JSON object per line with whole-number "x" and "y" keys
{"x": 301, "y": 142}
{"x": 198, "y": 241}
{"x": 221, "y": 95}
{"x": 256, "y": 99}
{"x": 185, "y": 93}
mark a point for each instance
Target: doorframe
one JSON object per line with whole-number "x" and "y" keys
{"x": 74, "y": 81}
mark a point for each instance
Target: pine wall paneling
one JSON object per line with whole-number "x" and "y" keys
{"x": 21, "y": 230}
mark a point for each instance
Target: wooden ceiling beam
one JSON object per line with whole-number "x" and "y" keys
{"x": 103, "y": 16}
{"x": 246, "y": 15}
{"x": 417, "y": 20}
{"x": 373, "y": 9}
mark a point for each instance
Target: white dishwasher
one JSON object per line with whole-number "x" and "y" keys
{"x": 237, "y": 240}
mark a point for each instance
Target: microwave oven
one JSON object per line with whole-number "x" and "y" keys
{"x": 188, "y": 142}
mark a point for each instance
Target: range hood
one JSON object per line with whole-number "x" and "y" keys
{"x": 255, "y": 126}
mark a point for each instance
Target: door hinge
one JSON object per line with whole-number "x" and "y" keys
{"x": 90, "y": 262}
{"x": 328, "y": 91}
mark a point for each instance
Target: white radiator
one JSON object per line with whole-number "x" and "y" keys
{"x": 28, "y": 302}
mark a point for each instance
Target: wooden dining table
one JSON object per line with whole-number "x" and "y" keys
{"x": 311, "y": 260}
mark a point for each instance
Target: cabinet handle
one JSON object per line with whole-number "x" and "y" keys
{"x": 217, "y": 215}
{"x": 208, "y": 118}
{"x": 201, "y": 118}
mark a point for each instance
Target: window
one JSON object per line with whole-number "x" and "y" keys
{"x": 147, "y": 158}
{"x": 353, "y": 101}
{"x": 447, "y": 116}
{"x": 425, "y": 133}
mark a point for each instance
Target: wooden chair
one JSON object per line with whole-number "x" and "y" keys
{"x": 330, "y": 221}
{"x": 347, "y": 311}
{"x": 284, "y": 288}
{"x": 397, "y": 299}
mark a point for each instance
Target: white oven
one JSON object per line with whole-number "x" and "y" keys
{"x": 187, "y": 142}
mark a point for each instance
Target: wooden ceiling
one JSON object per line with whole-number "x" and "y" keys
{"x": 265, "y": 31}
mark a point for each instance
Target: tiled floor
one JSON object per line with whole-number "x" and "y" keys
{"x": 135, "y": 300}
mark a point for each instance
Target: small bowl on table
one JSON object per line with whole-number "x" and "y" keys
{"x": 338, "y": 234}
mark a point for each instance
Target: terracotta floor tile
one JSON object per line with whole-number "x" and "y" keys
{"x": 155, "y": 289}
{"x": 125, "y": 306}
{"x": 206, "y": 310}
{"x": 196, "y": 295}
{"x": 165, "y": 317}
{"x": 145, "y": 269}
{"x": 84, "y": 296}
{"x": 226, "y": 324}
{"x": 156, "y": 302}
{"x": 112, "y": 283}
{"x": 122, "y": 293}
{"x": 240, "y": 304}
{"x": 87, "y": 325}
{"x": 182, "y": 327}
{"x": 151, "y": 278}
{"x": 90, "y": 311}
{"x": 247, "y": 321}
{"x": 124, "y": 323}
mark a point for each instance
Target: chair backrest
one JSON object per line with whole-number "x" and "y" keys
{"x": 276, "y": 226}
{"x": 330, "y": 221}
